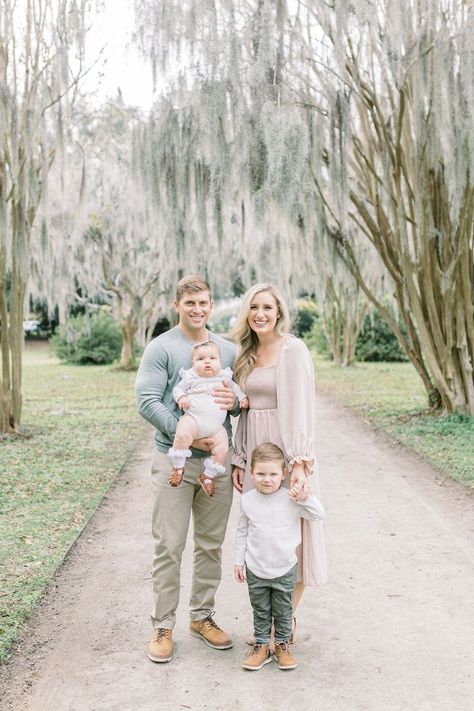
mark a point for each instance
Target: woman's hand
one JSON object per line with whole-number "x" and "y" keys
{"x": 299, "y": 482}
{"x": 224, "y": 396}
{"x": 238, "y": 478}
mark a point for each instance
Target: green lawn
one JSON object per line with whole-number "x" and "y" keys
{"x": 391, "y": 397}
{"x": 82, "y": 424}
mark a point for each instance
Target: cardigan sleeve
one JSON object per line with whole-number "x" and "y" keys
{"x": 296, "y": 402}
{"x": 239, "y": 458}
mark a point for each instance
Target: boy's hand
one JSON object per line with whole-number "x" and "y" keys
{"x": 294, "y": 492}
{"x": 239, "y": 573}
{"x": 244, "y": 403}
{"x": 184, "y": 403}
{"x": 298, "y": 479}
{"x": 224, "y": 396}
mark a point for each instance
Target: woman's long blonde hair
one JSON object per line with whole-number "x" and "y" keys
{"x": 246, "y": 338}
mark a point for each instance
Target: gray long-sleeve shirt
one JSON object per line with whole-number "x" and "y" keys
{"x": 269, "y": 531}
{"x": 157, "y": 375}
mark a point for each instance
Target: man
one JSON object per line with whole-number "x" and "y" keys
{"x": 157, "y": 375}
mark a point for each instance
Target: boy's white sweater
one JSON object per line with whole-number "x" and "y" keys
{"x": 269, "y": 531}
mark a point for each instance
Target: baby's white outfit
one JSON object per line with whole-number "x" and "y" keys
{"x": 207, "y": 413}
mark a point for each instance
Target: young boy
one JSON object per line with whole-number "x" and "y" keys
{"x": 268, "y": 533}
{"x": 202, "y": 417}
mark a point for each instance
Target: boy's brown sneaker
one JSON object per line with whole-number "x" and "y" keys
{"x": 160, "y": 648}
{"x": 284, "y": 658}
{"x": 257, "y": 657}
{"x": 207, "y": 484}
{"x": 176, "y": 477}
{"x": 211, "y": 634}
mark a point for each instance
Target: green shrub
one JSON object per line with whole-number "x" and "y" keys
{"x": 94, "y": 339}
{"x": 377, "y": 342}
{"x": 316, "y": 340}
{"x": 305, "y": 317}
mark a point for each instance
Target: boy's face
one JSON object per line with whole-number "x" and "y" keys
{"x": 206, "y": 362}
{"x": 268, "y": 476}
{"x": 194, "y": 309}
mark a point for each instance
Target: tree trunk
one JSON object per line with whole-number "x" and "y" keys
{"x": 129, "y": 329}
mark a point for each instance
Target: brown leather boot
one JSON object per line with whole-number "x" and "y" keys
{"x": 176, "y": 477}
{"x": 257, "y": 657}
{"x": 212, "y": 635}
{"x": 160, "y": 648}
{"x": 284, "y": 658}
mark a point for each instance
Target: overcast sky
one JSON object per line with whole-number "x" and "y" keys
{"x": 120, "y": 65}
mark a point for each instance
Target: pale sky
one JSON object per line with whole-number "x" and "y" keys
{"x": 121, "y": 64}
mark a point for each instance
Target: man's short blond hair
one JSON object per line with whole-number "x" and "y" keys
{"x": 267, "y": 452}
{"x": 191, "y": 284}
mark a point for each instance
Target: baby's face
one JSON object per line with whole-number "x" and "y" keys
{"x": 207, "y": 362}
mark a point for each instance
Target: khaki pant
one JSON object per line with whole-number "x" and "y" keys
{"x": 171, "y": 514}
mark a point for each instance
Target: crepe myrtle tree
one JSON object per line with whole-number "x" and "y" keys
{"x": 391, "y": 102}
{"x": 41, "y": 63}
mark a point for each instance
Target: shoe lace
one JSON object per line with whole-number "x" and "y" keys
{"x": 161, "y": 633}
{"x": 256, "y": 649}
{"x": 283, "y": 646}
{"x": 211, "y": 622}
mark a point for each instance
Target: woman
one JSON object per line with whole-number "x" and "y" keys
{"x": 276, "y": 372}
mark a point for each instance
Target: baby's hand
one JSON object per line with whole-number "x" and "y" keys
{"x": 184, "y": 403}
{"x": 239, "y": 573}
{"x": 244, "y": 403}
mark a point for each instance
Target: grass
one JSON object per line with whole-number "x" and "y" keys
{"x": 81, "y": 424}
{"x": 392, "y": 398}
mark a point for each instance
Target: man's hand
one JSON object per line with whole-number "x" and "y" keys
{"x": 184, "y": 403}
{"x": 224, "y": 396}
{"x": 238, "y": 478}
{"x": 239, "y": 573}
{"x": 205, "y": 444}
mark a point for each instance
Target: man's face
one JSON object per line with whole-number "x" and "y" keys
{"x": 194, "y": 308}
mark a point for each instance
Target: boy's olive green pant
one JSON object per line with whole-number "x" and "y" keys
{"x": 171, "y": 515}
{"x": 272, "y": 598}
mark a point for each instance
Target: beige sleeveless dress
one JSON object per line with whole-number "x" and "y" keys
{"x": 262, "y": 418}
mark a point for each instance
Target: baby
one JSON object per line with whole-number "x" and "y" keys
{"x": 203, "y": 416}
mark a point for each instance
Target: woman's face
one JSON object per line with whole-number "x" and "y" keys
{"x": 263, "y": 313}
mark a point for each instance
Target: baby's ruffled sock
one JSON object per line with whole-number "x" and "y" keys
{"x": 212, "y": 468}
{"x": 178, "y": 457}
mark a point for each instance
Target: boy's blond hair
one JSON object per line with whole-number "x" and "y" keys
{"x": 203, "y": 344}
{"x": 191, "y": 284}
{"x": 267, "y": 452}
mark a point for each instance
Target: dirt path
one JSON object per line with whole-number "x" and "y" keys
{"x": 392, "y": 631}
